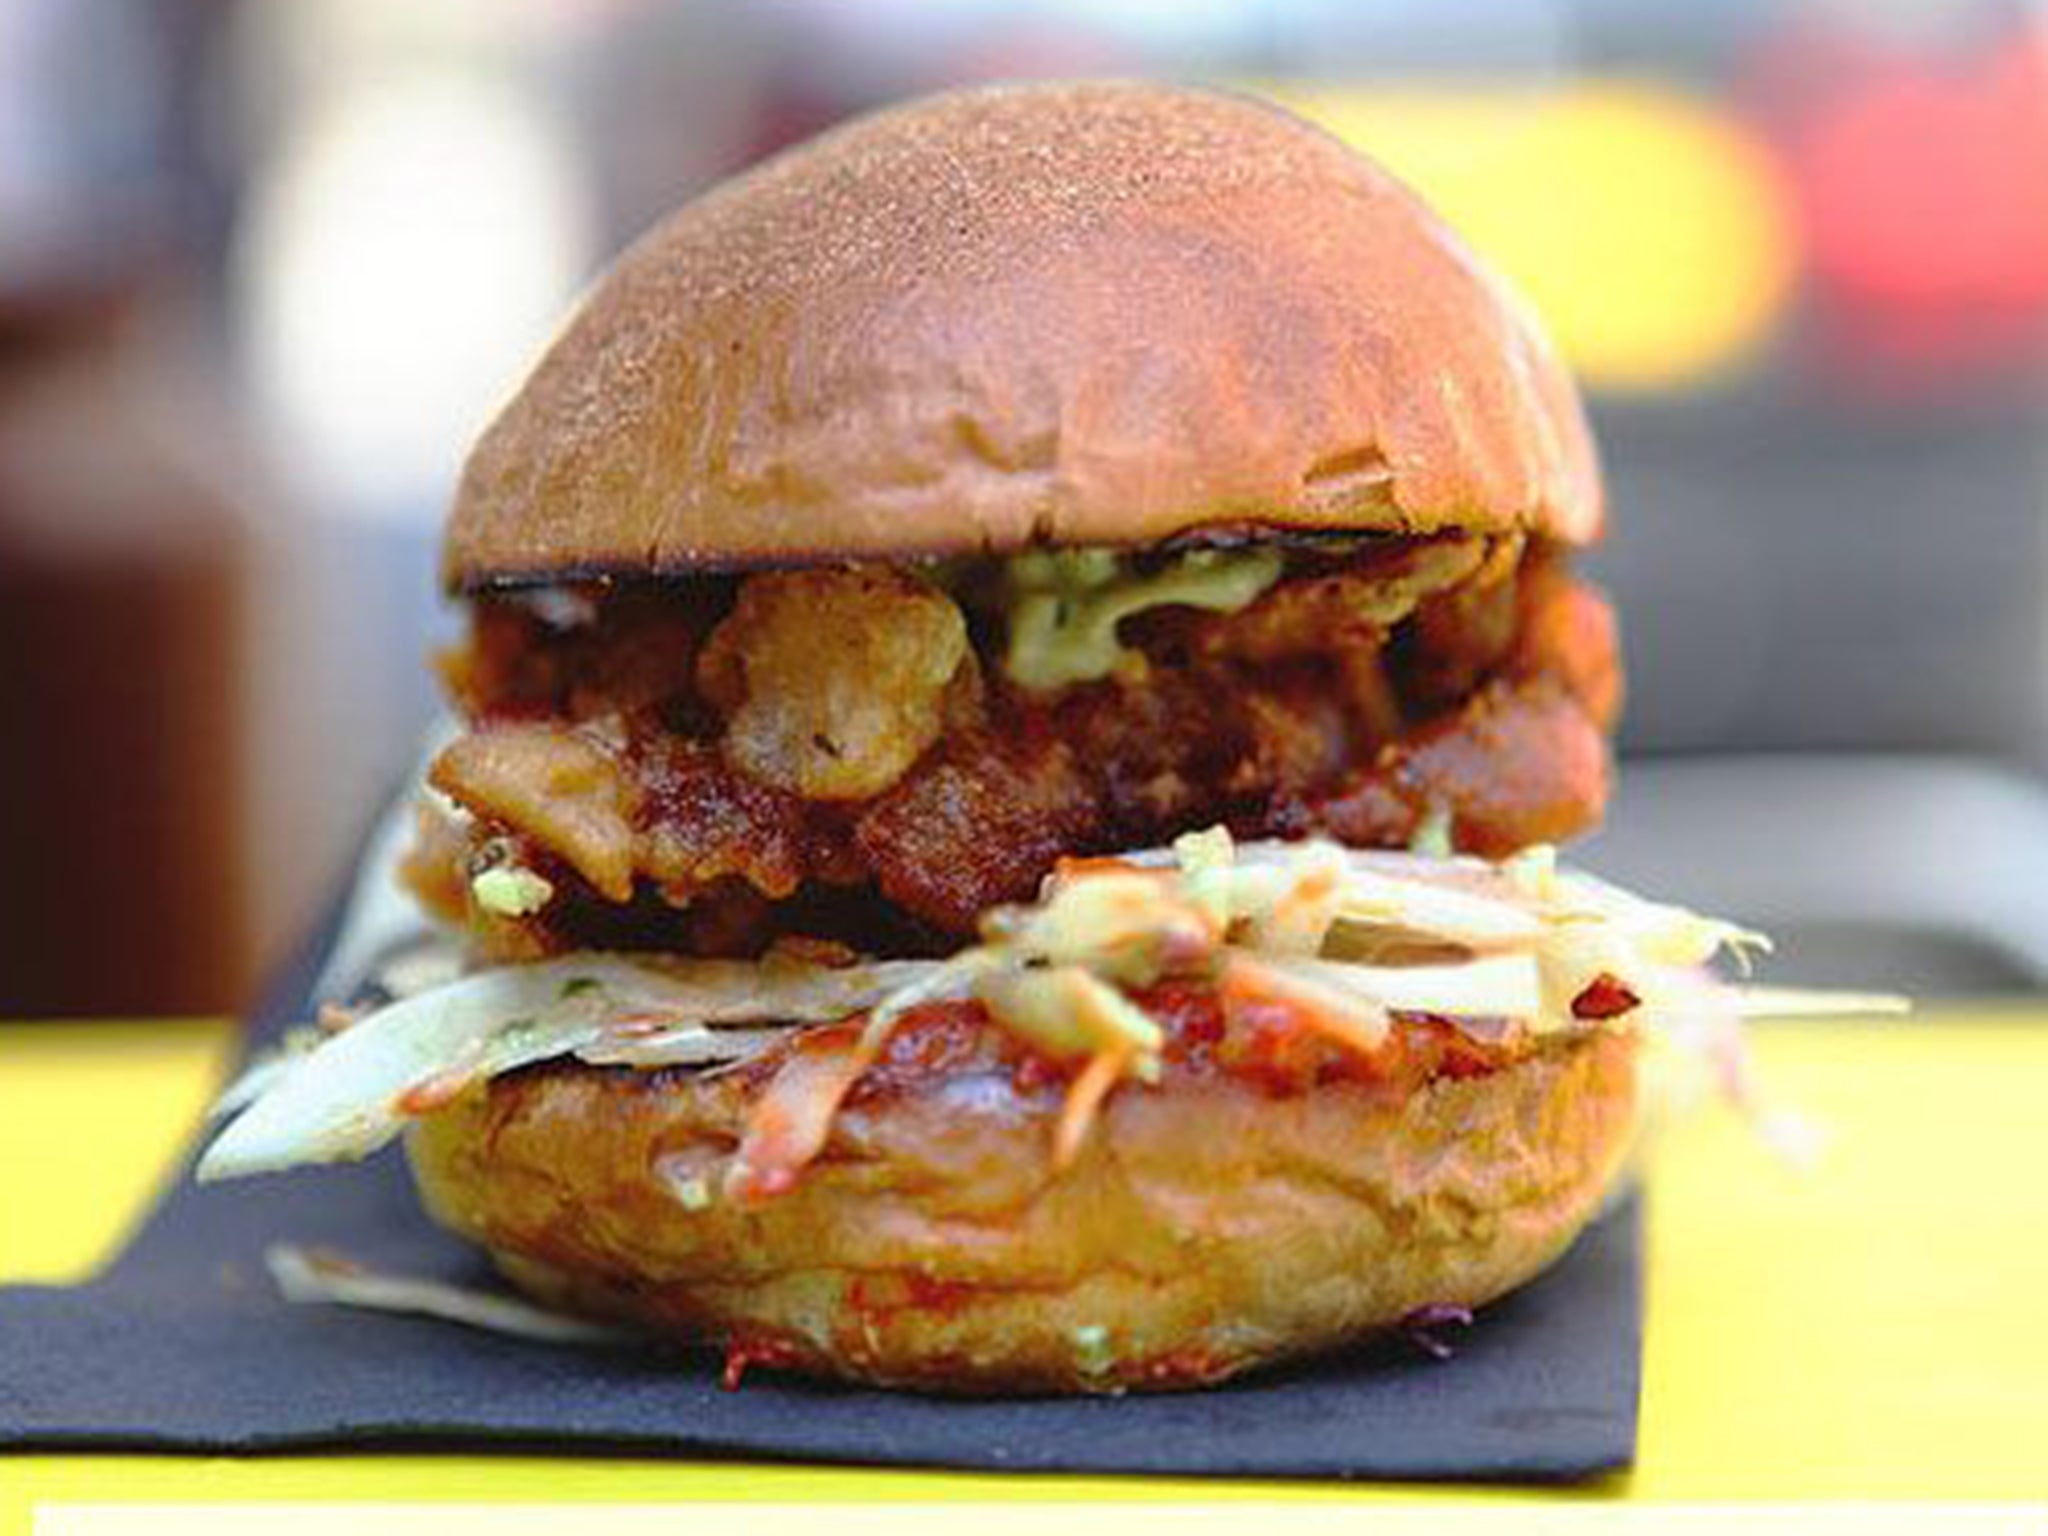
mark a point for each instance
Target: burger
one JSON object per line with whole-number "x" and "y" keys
{"x": 1023, "y": 668}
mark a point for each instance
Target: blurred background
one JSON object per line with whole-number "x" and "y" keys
{"x": 266, "y": 269}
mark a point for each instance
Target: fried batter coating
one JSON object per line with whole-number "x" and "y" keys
{"x": 553, "y": 785}
{"x": 849, "y": 734}
{"x": 833, "y": 681}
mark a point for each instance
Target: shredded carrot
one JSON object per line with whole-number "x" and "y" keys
{"x": 1076, "y": 868}
{"x": 436, "y": 1091}
{"x": 1317, "y": 885}
{"x": 791, "y": 1120}
{"x": 1084, "y": 1098}
{"x": 1358, "y": 1025}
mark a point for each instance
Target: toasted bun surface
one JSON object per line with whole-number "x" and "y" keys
{"x": 1207, "y": 1226}
{"x": 1070, "y": 314}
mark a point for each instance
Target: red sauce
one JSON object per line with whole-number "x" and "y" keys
{"x": 1190, "y": 1365}
{"x": 1457, "y": 1054}
{"x": 1266, "y": 1042}
{"x": 1033, "y": 1074}
{"x": 745, "y": 1352}
{"x": 1606, "y": 997}
{"x": 881, "y": 1299}
{"x": 1270, "y": 1042}
{"x": 954, "y": 1039}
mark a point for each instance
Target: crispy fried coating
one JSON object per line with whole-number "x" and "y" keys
{"x": 833, "y": 682}
{"x": 831, "y": 730}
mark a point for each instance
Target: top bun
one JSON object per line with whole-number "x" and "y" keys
{"x": 1096, "y": 313}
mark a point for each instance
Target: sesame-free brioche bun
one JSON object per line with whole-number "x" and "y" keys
{"x": 1100, "y": 313}
{"x": 1206, "y": 1227}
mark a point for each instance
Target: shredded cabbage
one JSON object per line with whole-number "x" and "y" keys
{"x": 314, "y": 1277}
{"x": 1805, "y": 1002}
{"x": 1487, "y": 987}
{"x": 1348, "y": 937}
{"x": 356, "y": 1090}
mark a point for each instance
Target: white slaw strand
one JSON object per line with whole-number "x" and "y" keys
{"x": 309, "y": 1277}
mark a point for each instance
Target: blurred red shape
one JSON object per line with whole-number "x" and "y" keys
{"x": 1924, "y": 183}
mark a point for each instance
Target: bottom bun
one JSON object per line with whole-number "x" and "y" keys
{"x": 1209, "y": 1224}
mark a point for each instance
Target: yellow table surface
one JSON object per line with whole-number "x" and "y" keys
{"x": 1875, "y": 1326}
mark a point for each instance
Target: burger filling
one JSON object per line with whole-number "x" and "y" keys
{"x": 702, "y": 765}
{"x": 1287, "y": 966}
